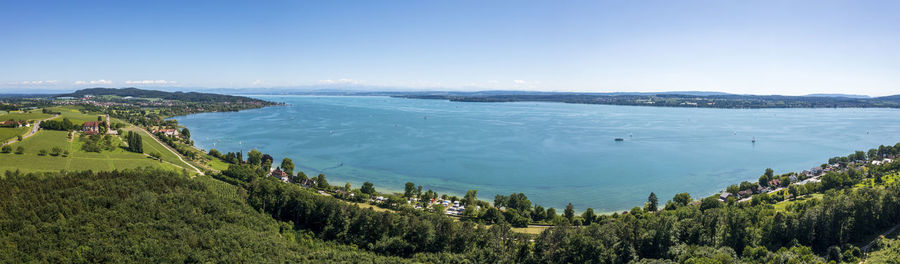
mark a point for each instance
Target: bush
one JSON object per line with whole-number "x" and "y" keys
{"x": 6, "y": 149}
{"x": 42, "y": 152}
{"x": 20, "y": 150}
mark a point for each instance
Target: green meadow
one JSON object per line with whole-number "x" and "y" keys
{"x": 216, "y": 163}
{"x": 7, "y": 133}
{"x": 77, "y": 159}
{"x": 19, "y": 115}
{"x": 74, "y": 114}
{"x": 150, "y": 146}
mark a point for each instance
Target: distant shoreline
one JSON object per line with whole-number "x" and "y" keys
{"x": 677, "y": 100}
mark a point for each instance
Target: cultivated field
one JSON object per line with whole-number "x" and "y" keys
{"x": 150, "y": 146}
{"x": 7, "y": 133}
{"x": 73, "y": 114}
{"x": 30, "y": 161}
{"x": 19, "y": 115}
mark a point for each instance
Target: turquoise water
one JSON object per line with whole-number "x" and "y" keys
{"x": 554, "y": 153}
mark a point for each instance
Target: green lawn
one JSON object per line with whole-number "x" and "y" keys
{"x": 30, "y": 161}
{"x": 19, "y": 115}
{"x": 7, "y": 133}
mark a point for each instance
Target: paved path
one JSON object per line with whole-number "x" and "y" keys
{"x": 34, "y": 129}
{"x": 170, "y": 149}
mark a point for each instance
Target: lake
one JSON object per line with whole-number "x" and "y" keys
{"x": 554, "y": 153}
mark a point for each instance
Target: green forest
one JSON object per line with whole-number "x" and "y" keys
{"x": 152, "y": 215}
{"x": 148, "y": 216}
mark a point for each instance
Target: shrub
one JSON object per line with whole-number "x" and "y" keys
{"x": 156, "y": 156}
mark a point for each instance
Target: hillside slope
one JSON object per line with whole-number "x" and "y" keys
{"x": 147, "y": 216}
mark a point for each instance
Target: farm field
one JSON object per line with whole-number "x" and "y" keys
{"x": 30, "y": 161}
{"x": 19, "y": 115}
{"x": 7, "y": 133}
{"x": 150, "y": 146}
{"x": 74, "y": 114}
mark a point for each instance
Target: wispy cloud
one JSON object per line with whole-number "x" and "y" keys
{"x": 43, "y": 82}
{"x": 150, "y": 82}
{"x": 101, "y": 81}
{"x": 519, "y": 82}
{"x": 340, "y": 81}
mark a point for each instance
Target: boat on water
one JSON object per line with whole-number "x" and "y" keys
{"x": 753, "y": 140}
{"x": 620, "y": 139}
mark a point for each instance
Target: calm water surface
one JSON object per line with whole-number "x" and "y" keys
{"x": 554, "y": 153}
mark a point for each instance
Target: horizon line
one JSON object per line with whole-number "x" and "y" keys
{"x": 386, "y": 89}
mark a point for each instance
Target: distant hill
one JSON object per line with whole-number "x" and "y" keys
{"x": 890, "y": 98}
{"x": 671, "y": 99}
{"x": 839, "y": 95}
{"x": 141, "y": 93}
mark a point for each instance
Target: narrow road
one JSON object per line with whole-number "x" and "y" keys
{"x": 34, "y": 129}
{"x": 865, "y": 249}
{"x": 170, "y": 149}
{"x": 770, "y": 192}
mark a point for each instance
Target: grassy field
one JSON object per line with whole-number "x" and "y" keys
{"x": 74, "y": 114}
{"x": 781, "y": 206}
{"x": 19, "y": 115}
{"x": 887, "y": 179}
{"x": 150, "y": 146}
{"x": 7, "y": 133}
{"x": 534, "y": 230}
{"x": 30, "y": 161}
{"x": 216, "y": 163}
{"x": 365, "y": 205}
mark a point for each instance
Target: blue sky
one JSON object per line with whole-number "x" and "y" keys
{"x": 753, "y": 47}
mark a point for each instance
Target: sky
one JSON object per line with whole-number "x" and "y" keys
{"x": 749, "y": 47}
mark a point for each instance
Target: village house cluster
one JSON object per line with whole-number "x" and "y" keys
{"x": 451, "y": 207}
{"x": 812, "y": 175}
{"x": 15, "y": 123}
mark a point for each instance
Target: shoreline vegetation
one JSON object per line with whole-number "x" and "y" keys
{"x": 696, "y": 100}
{"x": 832, "y": 212}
